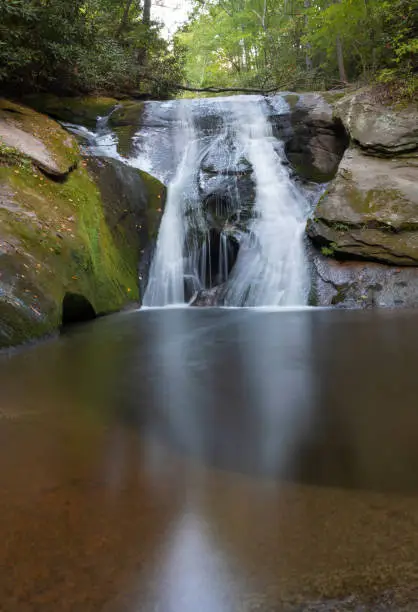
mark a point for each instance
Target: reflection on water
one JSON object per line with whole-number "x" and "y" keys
{"x": 207, "y": 460}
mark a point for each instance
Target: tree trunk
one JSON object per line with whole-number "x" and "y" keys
{"x": 146, "y": 15}
{"x": 340, "y": 58}
{"x": 124, "y": 19}
{"x": 308, "y": 59}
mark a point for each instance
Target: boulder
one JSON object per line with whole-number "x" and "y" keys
{"x": 69, "y": 237}
{"x": 37, "y": 138}
{"x": 133, "y": 204}
{"x": 379, "y": 129}
{"x": 316, "y": 141}
{"x": 370, "y": 211}
{"x": 354, "y": 284}
{"x": 209, "y": 297}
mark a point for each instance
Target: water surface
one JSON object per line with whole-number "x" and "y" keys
{"x": 214, "y": 461}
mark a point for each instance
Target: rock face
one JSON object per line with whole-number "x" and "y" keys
{"x": 378, "y": 129}
{"x": 209, "y": 297}
{"x": 61, "y": 235}
{"x": 370, "y": 210}
{"x": 369, "y": 213}
{"x": 316, "y": 140}
{"x": 353, "y": 284}
{"x": 82, "y": 110}
{"x": 135, "y": 219}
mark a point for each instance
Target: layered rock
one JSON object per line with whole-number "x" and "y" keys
{"x": 37, "y": 138}
{"x": 61, "y": 234}
{"x": 376, "y": 128}
{"x": 369, "y": 212}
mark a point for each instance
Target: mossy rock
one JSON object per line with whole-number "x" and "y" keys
{"x": 35, "y": 137}
{"x": 369, "y": 211}
{"x": 136, "y": 217}
{"x": 125, "y": 121}
{"x": 54, "y": 239}
{"x": 82, "y": 110}
{"x": 292, "y": 99}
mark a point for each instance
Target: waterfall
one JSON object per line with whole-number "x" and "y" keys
{"x": 166, "y": 278}
{"x": 271, "y": 268}
{"x": 234, "y": 219}
{"x": 227, "y": 145}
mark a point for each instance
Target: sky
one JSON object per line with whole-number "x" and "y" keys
{"x": 171, "y": 12}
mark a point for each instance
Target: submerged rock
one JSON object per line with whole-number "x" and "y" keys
{"x": 370, "y": 211}
{"x": 377, "y": 128}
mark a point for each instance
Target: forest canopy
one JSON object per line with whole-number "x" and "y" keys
{"x": 71, "y": 46}
{"x": 82, "y": 46}
{"x": 313, "y": 44}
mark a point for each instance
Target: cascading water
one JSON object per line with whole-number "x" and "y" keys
{"x": 166, "y": 278}
{"x": 270, "y": 269}
{"x": 234, "y": 219}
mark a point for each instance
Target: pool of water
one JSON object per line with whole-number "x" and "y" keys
{"x": 212, "y": 460}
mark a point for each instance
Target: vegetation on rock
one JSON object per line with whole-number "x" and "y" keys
{"x": 56, "y": 237}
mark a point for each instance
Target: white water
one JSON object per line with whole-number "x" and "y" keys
{"x": 192, "y": 144}
{"x": 271, "y": 269}
{"x": 166, "y": 277}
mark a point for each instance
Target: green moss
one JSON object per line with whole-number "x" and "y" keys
{"x": 341, "y": 294}
{"x": 156, "y": 198}
{"x": 61, "y": 145}
{"x": 128, "y": 113}
{"x": 331, "y": 97}
{"x": 19, "y": 323}
{"x": 57, "y": 241}
{"x": 10, "y": 156}
{"x": 83, "y": 110}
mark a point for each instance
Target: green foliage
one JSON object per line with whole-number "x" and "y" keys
{"x": 329, "y": 251}
{"x": 301, "y": 44}
{"x": 82, "y": 46}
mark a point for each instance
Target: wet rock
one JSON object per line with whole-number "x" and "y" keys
{"x": 315, "y": 140}
{"x": 225, "y": 157}
{"x": 61, "y": 235}
{"x": 377, "y": 128}
{"x": 133, "y": 204}
{"x": 370, "y": 211}
{"x": 354, "y": 284}
{"x": 209, "y": 297}
{"x": 82, "y": 110}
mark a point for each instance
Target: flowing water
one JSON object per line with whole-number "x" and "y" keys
{"x": 233, "y": 215}
{"x": 270, "y": 269}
